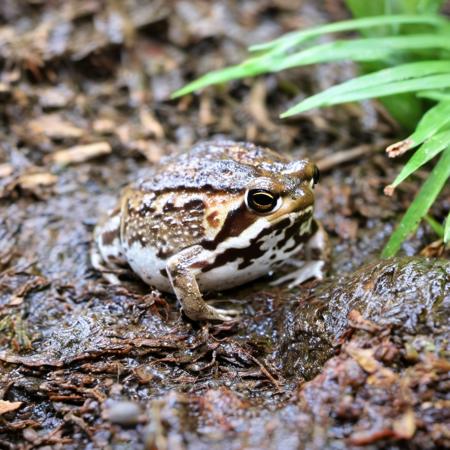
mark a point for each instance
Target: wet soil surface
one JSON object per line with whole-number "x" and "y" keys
{"x": 360, "y": 359}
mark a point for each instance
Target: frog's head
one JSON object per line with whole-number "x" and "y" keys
{"x": 278, "y": 195}
{"x": 284, "y": 191}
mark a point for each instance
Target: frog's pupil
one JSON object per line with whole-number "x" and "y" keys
{"x": 261, "y": 200}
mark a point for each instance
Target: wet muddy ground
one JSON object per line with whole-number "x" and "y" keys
{"x": 360, "y": 359}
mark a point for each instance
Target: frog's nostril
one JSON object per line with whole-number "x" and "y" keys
{"x": 296, "y": 168}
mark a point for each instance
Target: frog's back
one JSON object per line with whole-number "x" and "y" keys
{"x": 215, "y": 165}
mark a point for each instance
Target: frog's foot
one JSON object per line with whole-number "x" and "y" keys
{"x": 222, "y": 306}
{"x": 305, "y": 271}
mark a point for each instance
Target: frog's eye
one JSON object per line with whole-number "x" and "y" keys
{"x": 316, "y": 175}
{"x": 261, "y": 201}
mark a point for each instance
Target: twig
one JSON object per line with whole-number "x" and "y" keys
{"x": 344, "y": 156}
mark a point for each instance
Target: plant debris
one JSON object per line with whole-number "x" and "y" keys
{"x": 80, "y": 153}
{"x": 359, "y": 359}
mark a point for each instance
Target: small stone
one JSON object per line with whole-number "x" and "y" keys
{"x": 123, "y": 413}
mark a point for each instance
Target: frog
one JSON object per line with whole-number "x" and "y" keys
{"x": 217, "y": 216}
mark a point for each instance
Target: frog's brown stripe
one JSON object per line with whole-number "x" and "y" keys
{"x": 293, "y": 232}
{"x": 109, "y": 236}
{"x": 236, "y": 222}
{"x": 254, "y": 250}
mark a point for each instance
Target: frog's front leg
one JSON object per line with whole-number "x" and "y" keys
{"x": 183, "y": 269}
{"x": 317, "y": 256}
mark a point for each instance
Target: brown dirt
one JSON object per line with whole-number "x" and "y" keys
{"x": 357, "y": 360}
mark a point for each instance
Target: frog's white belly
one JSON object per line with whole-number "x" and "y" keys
{"x": 235, "y": 271}
{"x": 150, "y": 268}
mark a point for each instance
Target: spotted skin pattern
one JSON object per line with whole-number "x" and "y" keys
{"x": 194, "y": 223}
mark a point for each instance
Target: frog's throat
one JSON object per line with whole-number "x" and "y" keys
{"x": 263, "y": 223}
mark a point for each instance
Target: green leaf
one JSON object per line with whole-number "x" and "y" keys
{"x": 251, "y": 67}
{"x": 365, "y": 49}
{"x": 384, "y": 76}
{"x": 423, "y": 154}
{"x": 434, "y": 95}
{"x": 356, "y": 50}
{"x": 435, "y": 225}
{"x": 432, "y": 121}
{"x": 420, "y": 205}
{"x": 363, "y": 8}
{"x": 447, "y": 230}
{"x": 406, "y": 109}
{"x": 298, "y": 37}
{"x": 370, "y": 91}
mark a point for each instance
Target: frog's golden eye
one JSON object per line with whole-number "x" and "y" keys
{"x": 261, "y": 201}
{"x": 316, "y": 175}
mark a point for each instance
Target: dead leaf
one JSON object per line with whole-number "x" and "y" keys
{"x": 55, "y": 127}
{"x": 205, "y": 114}
{"x": 6, "y": 406}
{"x": 6, "y": 170}
{"x": 33, "y": 180}
{"x": 15, "y": 301}
{"x": 30, "y": 361}
{"x": 357, "y": 321}
{"x": 389, "y": 190}
{"x": 151, "y": 150}
{"x": 257, "y": 105}
{"x": 384, "y": 377}
{"x": 398, "y": 148}
{"x": 80, "y": 153}
{"x": 364, "y": 357}
{"x": 434, "y": 250}
{"x": 104, "y": 126}
{"x": 150, "y": 124}
{"x": 405, "y": 426}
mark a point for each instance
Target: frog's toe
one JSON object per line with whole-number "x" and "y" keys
{"x": 229, "y": 313}
{"x": 310, "y": 269}
{"x": 211, "y": 313}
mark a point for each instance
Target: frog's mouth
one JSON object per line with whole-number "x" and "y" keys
{"x": 296, "y": 209}
{"x": 302, "y": 215}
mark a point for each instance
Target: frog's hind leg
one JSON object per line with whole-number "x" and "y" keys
{"x": 317, "y": 256}
{"x": 106, "y": 252}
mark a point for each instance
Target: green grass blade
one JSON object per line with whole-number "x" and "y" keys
{"x": 434, "y": 225}
{"x": 366, "y": 49}
{"x": 383, "y": 90}
{"x": 432, "y": 121}
{"x": 423, "y": 154}
{"x": 248, "y": 68}
{"x": 356, "y": 50}
{"x": 272, "y": 63}
{"x": 402, "y": 72}
{"x": 363, "y": 8}
{"x": 447, "y": 230}
{"x": 298, "y": 37}
{"x": 434, "y": 95}
{"x": 420, "y": 205}
{"x": 419, "y": 6}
